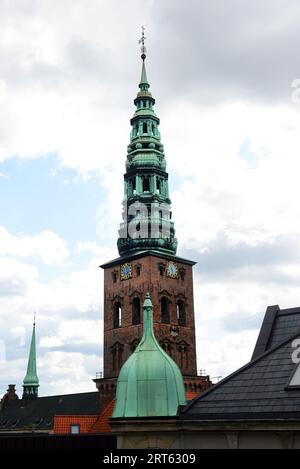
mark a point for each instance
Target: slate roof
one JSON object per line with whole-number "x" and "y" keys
{"x": 39, "y": 413}
{"x": 259, "y": 390}
{"x": 278, "y": 325}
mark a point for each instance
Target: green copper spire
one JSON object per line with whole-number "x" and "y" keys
{"x": 147, "y": 214}
{"x": 150, "y": 383}
{"x": 31, "y": 381}
{"x": 144, "y": 80}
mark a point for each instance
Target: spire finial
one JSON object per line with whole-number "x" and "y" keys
{"x": 34, "y": 315}
{"x": 142, "y": 41}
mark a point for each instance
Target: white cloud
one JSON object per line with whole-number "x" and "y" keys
{"x": 68, "y": 76}
{"x": 68, "y": 325}
{"x": 48, "y": 246}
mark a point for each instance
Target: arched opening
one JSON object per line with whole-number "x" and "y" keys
{"x": 182, "y": 274}
{"x": 167, "y": 347}
{"x": 165, "y": 315}
{"x": 161, "y": 270}
{"x": 184, "y": 359}
{"x": 145, "y": 129}
{"x": 158, "y": 186}
{"x": 181, "y": 313}
{"x": 136, "y": 311}
{"x": 117, "y": 315}
{"x": 146, "y": 185}
{"x": 117, "y": 357}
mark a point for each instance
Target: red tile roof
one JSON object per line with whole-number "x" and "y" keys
{"x": 190, "y": 395}
{"x": 62, "y": 423}
{"x": 102, "y": 423}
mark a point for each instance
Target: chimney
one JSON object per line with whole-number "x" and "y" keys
{"x": 10, "y": 395}
{"x": 11, "y": 392}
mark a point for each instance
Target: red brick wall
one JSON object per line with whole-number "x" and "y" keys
{"x": 149, "y": 280}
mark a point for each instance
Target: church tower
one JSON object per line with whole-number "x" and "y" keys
{"x": 148, "y": 262}
{"x": 31, "y": 381}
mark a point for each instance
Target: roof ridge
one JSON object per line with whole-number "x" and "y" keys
{"x": 64, "y": 395}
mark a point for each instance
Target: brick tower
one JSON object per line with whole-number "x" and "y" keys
{"x": 148, "y": 261}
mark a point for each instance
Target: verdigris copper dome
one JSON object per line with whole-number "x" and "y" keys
{"x": 150, "y": 383}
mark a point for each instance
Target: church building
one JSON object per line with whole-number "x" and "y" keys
{"x": 148, "y": 262}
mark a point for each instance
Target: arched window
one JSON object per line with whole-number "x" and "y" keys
{"x": 146, "y": 185}
{"x": 181, "y": 313}
{"x": 167, "y": 347}
{"x": 136, "y": 311}
{"x": 117, "y": 356}
{"x": 182, "y": 274}
{"x": 165, "y": 316}
{"x": 184, "y": 359}
{"x": 145, "y": 129}
{"x": 161, "y": 270}
{"x": 117, "y": 315}
{"x": 114, "y": 276}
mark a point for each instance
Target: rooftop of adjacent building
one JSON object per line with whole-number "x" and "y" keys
{"x": 266, "y": 388}
{"x": 38, "y": 414}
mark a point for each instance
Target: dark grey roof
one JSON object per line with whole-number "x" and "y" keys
{"x": 278, "y": 325}
{"x": 39, "y": 413}
{"x": 139, "y": 254}
{"x": 258, "y": 390}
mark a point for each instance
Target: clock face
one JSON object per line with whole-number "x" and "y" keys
{"x": 172, "y": 269}
{"x": 126, "y": 271}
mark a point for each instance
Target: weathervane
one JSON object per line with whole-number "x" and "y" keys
{"x": 142, "y": 41}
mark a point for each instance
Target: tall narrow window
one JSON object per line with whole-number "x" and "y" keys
{"x": 167, "y": 347}
{"x": 117, "y": 356}
{"x": 114, "y": 359}
{"x": 160, "y": 227}
{"x": 136, "y": 311}
{"x": 165, "y": 316}
{"x": 146, "y": 185}
{"x": 158, "y": 186}
{"x": 181, "y": 312}
{"x": 117, "y": 315}
{"x": 145, "y": 130}
{"x": 161, "y": 270}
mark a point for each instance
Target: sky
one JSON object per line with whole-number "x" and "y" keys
{"x": 226, "y": 79}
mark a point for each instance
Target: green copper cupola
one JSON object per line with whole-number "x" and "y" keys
{"x": 31, "y": 381}
{"x": 150, "y": 383}
{"x": 147, "y": 213}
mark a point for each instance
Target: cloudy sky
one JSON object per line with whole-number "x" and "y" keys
{"x": 224, "y": 75}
